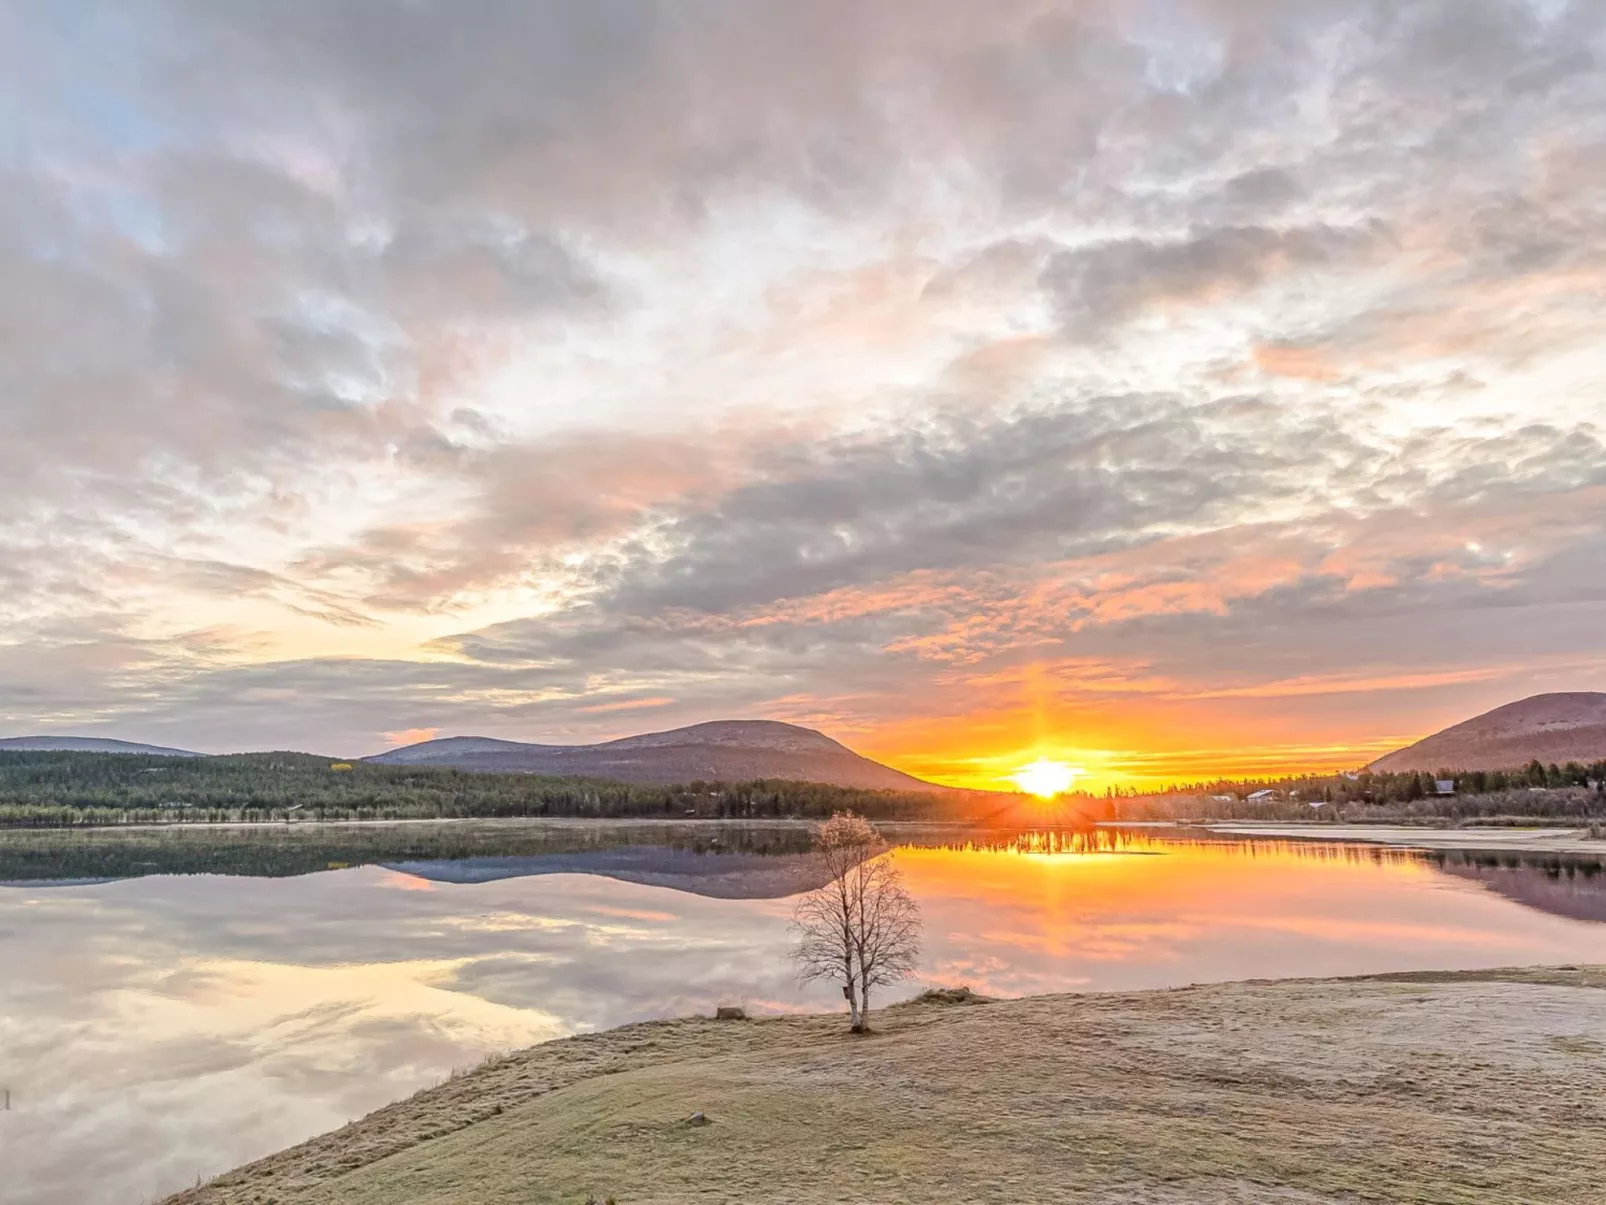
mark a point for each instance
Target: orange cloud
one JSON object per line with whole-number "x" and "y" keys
{"x": 411, "y": 736}
{"x": 1291, "y": 360}
{"x": 627, "y": 705}
{"x": 1330, "y": 684}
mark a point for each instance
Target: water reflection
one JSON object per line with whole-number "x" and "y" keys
{"x": 723, "y": 875}
{"x": 160, "y": 1027}
{"x": 1562, "y": 886}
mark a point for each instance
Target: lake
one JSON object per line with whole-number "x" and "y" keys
{"x": 166, "y": 1026}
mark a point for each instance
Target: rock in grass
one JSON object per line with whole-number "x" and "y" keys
{"x": 730, "y": 1012}
{"x": 696, "y": 1119}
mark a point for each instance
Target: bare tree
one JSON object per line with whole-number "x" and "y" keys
{"x": 862, "y": 928}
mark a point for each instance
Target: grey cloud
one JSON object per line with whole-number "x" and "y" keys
{"x": 447, "y": 122}
{"x": 475, "y": 271}
{"x": 326, "y": 363}
{"x": 1100, "y": 286}
{"x": 1263, "y": 194}
{"x": 1539, "y": 458}
{"x": 454, "y": 101}
{"x": 998, "y": 270}
{"x": 1262, "y": 186}
{"x": 648, "y": 112}
{"x": 1039, "y": 485}
{"x": 653, "y": 617}
{"x": 226, "y": 580}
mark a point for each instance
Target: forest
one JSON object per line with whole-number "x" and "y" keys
{"x": 79, "y": 789}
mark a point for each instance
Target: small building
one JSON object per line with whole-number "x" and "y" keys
{"x": 1444, "y": 786}
{"x": 1224, "y": 799}
{"x": 1266, "y": 796}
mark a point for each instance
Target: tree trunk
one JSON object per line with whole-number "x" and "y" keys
{"x": 862, "y": 1025}
{"x": 850, "y": 991}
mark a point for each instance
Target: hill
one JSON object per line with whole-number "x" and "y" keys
{"x": 86, "y": 744}
{"x": 1301, "y": 1090}
{"x": 721, "y": 751}
{"x": 1556, "y": 728}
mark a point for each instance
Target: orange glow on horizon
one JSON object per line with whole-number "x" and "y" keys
{"x": 1128, "y": 728}
{"x": 1123, "y": 727}
{"x": 994, "y": 758}
{"x": 1135, "y": 769}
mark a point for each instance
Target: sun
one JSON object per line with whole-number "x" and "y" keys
{"x": 1045, "y": 778}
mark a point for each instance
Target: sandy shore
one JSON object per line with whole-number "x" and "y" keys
{"x": 1517, "y": 840}
{"x": 1450, "y": 1088}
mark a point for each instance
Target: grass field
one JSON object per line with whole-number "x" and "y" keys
{"x": 1444, "y": 1088}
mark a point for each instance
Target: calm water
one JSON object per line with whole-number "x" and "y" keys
{"x": 156, "y": 1029}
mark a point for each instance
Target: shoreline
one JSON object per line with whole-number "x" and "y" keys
{"x": 1475, "y": 1086}
{"x": 1538, "y": 838}
{"x": 1555, "y": 839}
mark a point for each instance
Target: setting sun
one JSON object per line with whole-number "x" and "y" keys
{"x": 1045, "y": 778}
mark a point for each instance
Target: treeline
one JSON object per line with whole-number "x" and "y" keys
{"x": 1390, "y": 787}
{"x": 1574, "y": 791}
{"x": 72, "y": 789}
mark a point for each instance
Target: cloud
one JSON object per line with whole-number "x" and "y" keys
{"x": 502, "y": 367}
{"x": 411, "y": 736}
{"x": 627, "y": 705}
{"x": 1109, "y": 283}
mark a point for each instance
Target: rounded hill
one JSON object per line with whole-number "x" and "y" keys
{"x": 1553, "y": 728}
{"x": 718, "y": 751}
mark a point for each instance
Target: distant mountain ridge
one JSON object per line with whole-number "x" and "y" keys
{"x": 722, "y": 750}
{"x": 436, "y": 752}
{"x": 1554, "y": 728}
{"x": 87, "y": 744}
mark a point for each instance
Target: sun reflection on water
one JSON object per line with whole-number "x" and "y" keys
{"x": 1103, "y": 841}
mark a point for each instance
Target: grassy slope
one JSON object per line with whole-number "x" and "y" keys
{"x": 1423, "y": 1088}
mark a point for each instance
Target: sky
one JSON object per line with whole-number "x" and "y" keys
{"x": 1171, "y": 387}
